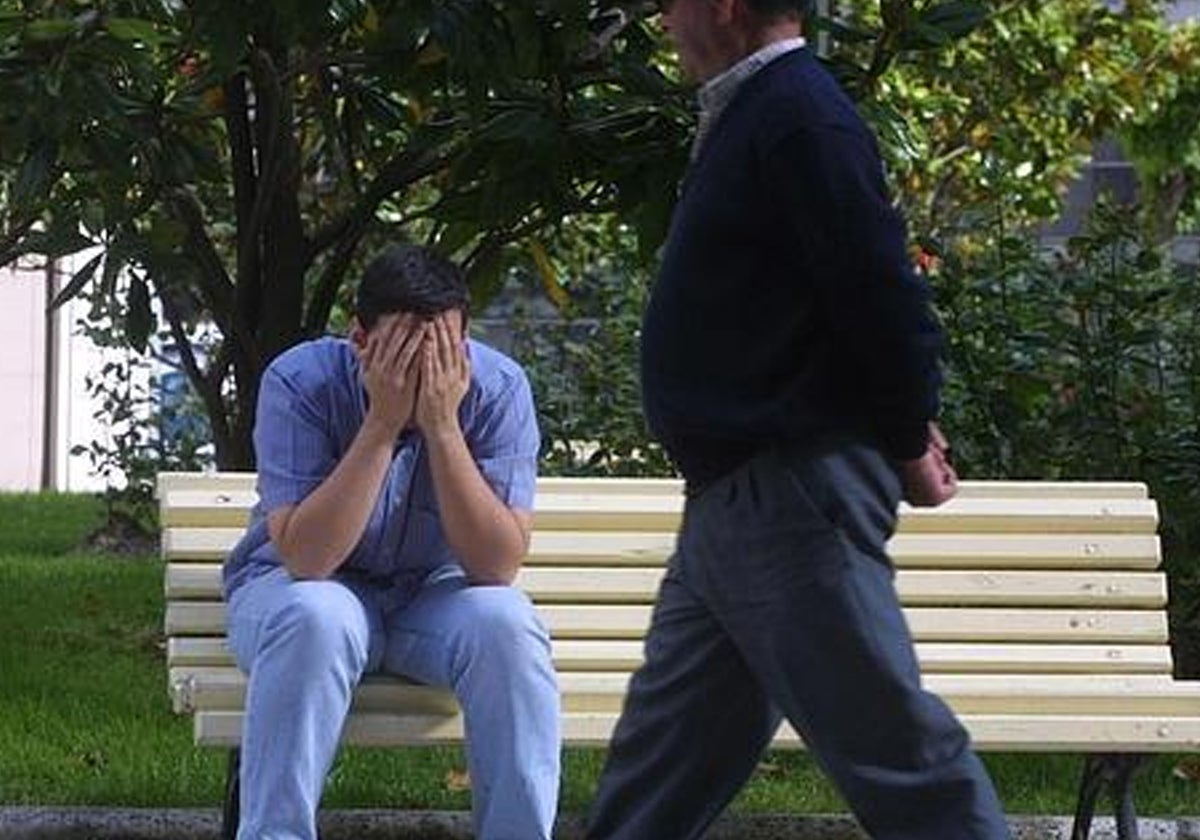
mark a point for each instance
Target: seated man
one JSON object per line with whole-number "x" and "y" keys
{"x": 396, "y": 473}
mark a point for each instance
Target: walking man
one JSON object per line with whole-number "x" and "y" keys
{"x": 790, "y": 369}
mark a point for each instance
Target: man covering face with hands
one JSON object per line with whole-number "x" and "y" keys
{"x": 396, "y": 472}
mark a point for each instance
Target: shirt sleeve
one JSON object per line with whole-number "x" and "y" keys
{"x": 292, "y": 442}
{"x": 504, "y": 441}
{"x": 828, "y": 180}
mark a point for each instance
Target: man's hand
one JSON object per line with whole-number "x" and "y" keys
{"x": 391, "y": 369}
{"x": 930, "y": 480}
{"x": 445, "y": 377}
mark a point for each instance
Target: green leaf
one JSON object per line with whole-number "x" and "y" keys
{"x": 139, "y": 318}
{"x": 50, "y": 29}
{"x": 35, "y": 175}
{"x": 77, "y": 282}
{"x": 60, "y": 240}
{"x": 955, "y": 18}
{"x": 11, "y": 23}
{"x": 134, "y": 30}
{"x": 120, "y": 249}
{"x": 166, "y": 235}
{"x": 551, "y": 283}
{"x": 843, "y": 32}
{"x": 486, "y": 277}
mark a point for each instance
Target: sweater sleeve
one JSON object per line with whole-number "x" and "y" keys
{"x": 828, "y": 182}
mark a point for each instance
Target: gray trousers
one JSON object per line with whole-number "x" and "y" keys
{"x": 779, "y": 602}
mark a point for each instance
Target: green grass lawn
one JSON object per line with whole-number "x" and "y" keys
{"x": 84, "y": 716}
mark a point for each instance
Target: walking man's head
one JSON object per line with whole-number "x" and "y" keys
{"x": 713, "y": 35}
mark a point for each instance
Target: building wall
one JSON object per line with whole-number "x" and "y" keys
{"x": 23, "y": 384}
{"x": 77, "y": 424}
{"x": 22, "y": 366}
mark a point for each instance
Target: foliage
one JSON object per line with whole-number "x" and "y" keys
{"x": 1012, "y": 110}
{"x": 234, "y": 160}
{"x": 1163, "y": 141}
{"x": 147, "y": 428}
{"x": 1082, "y": 362}
{"x": 584, "y": 366}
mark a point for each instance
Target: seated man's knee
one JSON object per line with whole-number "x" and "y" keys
{"x": 503, "y": 623}
{"x": 323, "y": 618}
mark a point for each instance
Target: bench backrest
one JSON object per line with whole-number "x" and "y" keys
{"x": 1006, "y": 585}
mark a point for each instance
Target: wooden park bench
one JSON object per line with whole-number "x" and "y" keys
{"x": 1038, "y": 610}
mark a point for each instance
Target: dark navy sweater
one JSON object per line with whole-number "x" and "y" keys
{"x": 786, "y": 311}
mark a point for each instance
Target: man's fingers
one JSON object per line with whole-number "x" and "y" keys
{"x": 442, "y": 348}
{"x": 408, "y": 353}
{"x": 405, "y": 345}
{"x": 392, "y": 334}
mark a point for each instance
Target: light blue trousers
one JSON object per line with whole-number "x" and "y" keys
{"x": 306, "y": 644}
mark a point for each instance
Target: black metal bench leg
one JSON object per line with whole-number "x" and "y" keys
{"x": 232, "y": 806}
{"x": 1127, "y": 828}
{"x": 1115, "y": 772}
{"x": 1089, "y": 788}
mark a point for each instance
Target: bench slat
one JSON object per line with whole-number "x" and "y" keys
{"x": 935, "y": 657}
{"x": 168, "y": 481}
{"x": 982, "y": 515}
{"x": 602, "y": 512}
{"x": 1144, "y": 590}
{"x": 617, "y": 548}
{"x": 1040, "y": 694}
{"x": 927, "y": 623}
{"x": 1040, "y": 733}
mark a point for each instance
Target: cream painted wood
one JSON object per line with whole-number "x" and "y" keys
{"x": 935, "y": 657}
{"x": 1037, "y": 607}
{"x": 623, "y": 621}
{"x": 168, "y": 481}
{"x": 224, "y": 689}
{"x": 1033, "y": 733}
{"x": 606, "y": 512}
{"x": 628, "y": 548}
{"x": 1129, "y": 590}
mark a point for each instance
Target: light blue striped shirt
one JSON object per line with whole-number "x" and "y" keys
{"x": 311, "y": 405}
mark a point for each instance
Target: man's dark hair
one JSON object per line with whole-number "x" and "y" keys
{"x": 409, "y": 278}
{"x": 774, "y": 8}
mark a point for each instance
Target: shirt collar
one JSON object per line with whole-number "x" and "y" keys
{"x": 718, "y": 91}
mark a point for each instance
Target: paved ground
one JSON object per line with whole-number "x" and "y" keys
{"x": 146, "y": 824}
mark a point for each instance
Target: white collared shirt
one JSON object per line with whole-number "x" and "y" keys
{"x": 716, "y": 94}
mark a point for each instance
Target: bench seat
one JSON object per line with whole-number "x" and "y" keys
{"x": 1038, "y": 609}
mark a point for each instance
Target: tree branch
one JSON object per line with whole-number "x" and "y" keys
{"x": 497, "y": 239}
{"x": 208, "y": 386}
{"x": 245, "y": 180}
{"x": 216, "y": 287}
{"x": 619, "y": 18}
{"x": 401, "y": 171}
{"x": 334, "y": 272}
{"x": 268, "y": 97}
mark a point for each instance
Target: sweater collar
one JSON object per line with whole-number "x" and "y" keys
{"x": 717, "y": 92}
